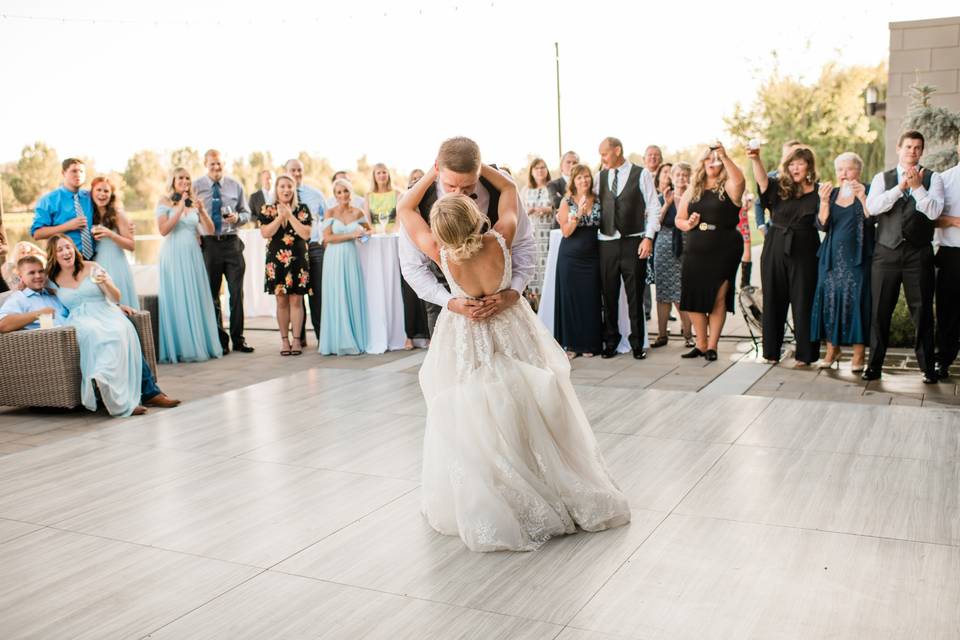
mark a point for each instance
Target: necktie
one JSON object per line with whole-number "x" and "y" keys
{"x": 86, "y": 238}
{"x": 616, "y": 180}
{"x": 216, "y": 202}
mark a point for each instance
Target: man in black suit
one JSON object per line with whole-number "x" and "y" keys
{"x": 629, "y": 220}
{"x": 262, "y": 195}
{"x": 558, "y": 187}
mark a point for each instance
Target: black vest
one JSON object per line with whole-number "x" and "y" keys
{"x": 627, "y": 212}
{"x": 903, "y": 221}
{"x": 492, "y": 210}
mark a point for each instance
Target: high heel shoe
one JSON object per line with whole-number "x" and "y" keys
{"x": 299, "y": 349}
{"x": 285, "y": 350}
{"x": 829, "y": 364}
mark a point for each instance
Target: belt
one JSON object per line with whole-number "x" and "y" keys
{"x": 703, "y": 226}
{"x": 222, "y": 238}
{"x": 788, "y": 231}
{"x": 315, "y": 245}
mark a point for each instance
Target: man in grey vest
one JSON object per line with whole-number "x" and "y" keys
{"x": 629, "y": 221}
{"x": 906, "y": 200}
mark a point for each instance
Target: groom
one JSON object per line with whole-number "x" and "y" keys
{"x": 458, "y": 171}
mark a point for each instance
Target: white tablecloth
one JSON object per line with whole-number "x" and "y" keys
{"x": 255, "y": 301}
{"x": 547, "y": 295}
{"x": 380, "y": 261}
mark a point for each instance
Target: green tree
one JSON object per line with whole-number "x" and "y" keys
{"x": 316, "y": 170}
{"x": 828, "y": 115}
{"x": 144, "y": 180}
{"x": 246, "y": 172}
{"x": 940, "y": 127}
{"x": 189, "y": 159}
{"x": 37, "y": 172}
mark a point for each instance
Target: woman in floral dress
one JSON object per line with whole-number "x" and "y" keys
{"x": 286, "y": 224}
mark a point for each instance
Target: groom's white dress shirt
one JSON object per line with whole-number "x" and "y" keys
{"x": 415, "y": 265}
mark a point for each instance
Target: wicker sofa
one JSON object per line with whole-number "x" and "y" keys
{"x": 41, "y": 367}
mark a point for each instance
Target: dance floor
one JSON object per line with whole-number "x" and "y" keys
{"x": 289, "y": 509}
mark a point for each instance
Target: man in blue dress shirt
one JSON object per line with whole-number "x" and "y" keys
{"x": 222, "y": 250}
{"x": 68, "y": 210}
{"x": 22, "y": 310}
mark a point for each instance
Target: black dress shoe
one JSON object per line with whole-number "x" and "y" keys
{"x": 943, "y": 373}
{"x": 870, "y": 374}
{"x": 639, "y": 353}
{"x": 693, "y": 353}
{"x": 242, "y": 347}
{"x": 710, "y": 355}
{"x": 608, "y": 353}
{"x": 931, "y": 377}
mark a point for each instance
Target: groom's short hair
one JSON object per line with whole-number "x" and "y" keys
{"x": 460, "y": 155}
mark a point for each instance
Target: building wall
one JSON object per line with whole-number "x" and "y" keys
{"x": 924, "y": 49}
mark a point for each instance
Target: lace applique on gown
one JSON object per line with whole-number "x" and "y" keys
{"x": 509, "y": 458}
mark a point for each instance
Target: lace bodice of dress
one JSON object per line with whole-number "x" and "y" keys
{"x": 455, "y": 288}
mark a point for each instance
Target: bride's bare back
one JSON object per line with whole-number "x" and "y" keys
{"x": 480, "y": 275}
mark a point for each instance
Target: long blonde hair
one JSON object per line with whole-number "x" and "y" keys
{"x": 699, "y": 182}
{"x": 458, "y": 224}
{"x": 172, "y": 188}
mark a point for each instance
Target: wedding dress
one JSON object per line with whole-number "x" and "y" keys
{"x": 509, "y": 459}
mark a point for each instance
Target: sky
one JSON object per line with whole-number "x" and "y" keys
{"x": 390, "y": 80}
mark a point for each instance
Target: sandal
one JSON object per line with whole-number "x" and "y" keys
{"x": 296, "y": 352}
{"x": 286, "y": 343}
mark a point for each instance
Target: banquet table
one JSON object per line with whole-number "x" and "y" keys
{"x": 380, "y": 262}
{"x": 548, "y": 298}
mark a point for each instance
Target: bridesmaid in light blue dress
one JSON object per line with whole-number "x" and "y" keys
{"x": 110, "y": 353}
{"x": 343, "y": 315}
{"x": 112, "y": 232}
{"x": 188, "y": 328}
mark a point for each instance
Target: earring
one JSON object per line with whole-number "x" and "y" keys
{"x": 809, "y": 177}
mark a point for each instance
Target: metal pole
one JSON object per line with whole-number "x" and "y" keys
{"x": 556, "y": 49}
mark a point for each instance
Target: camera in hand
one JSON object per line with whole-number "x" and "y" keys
{"x": 188, "y": 202}
{"x": 176, "y": 197}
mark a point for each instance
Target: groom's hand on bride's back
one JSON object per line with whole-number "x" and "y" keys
{"x": 494, "y": 304}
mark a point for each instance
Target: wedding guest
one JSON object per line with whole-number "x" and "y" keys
{"x": 558, "y": 188}
{"x": 188, "y": 322}
{"x": 668, "y": 249}
{"x": 263, "y": 195}
{"x": 286, "y": 225}
{"x": 788, "y": 263}
{"x": 577, "y": 315}
{"x": 841, "y": 304}
{"x": 316, "y": 205}
{"x": 709, "y": 212}
{"x": 628, "y": 224}
{"x": 759, "y": 208}
{"x": 23, "y": 309}
{"x": 415, "y": 322}
{"x": 743, "y": 226}
{"x": 664, "y": 177}
{"x": 357, "y": 201}
{"x": 948, "y": 272}
{"x": 906, "y": 201}
{"x": 110, "y": 354}
{"x": 662, "y": 181}
{"x": 539, "y": 205}
{"x": 343, "y": 329}
{"x": 9, "y": 269}
{"x": 114, "y": 235}
{"x": 415, "y": 175}
{"x": 652, "y": 161}
{"x": 223, "y": 200}
{"x": 67, "y": 210}
{"x": 381, "y": 200}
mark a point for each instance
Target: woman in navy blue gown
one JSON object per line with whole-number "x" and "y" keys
{"x": 841, "y": 305}
{"x": 577, "y": 322}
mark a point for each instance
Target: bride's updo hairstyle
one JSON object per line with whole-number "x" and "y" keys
{"x": 458, "y": 224}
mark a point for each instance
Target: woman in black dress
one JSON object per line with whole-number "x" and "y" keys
{"x": 709, "y": 212}
{"x": 286, "y": 224}
{"x": 788, "y": 263}
{"x": 577, "y": 323}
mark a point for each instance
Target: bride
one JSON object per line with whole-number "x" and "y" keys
{"x": 509, "y": 459}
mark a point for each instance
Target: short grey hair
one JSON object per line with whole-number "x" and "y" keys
{"x": 848, "y": 156}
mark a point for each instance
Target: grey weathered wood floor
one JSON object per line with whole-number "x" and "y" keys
{"x": 289, "y": 509}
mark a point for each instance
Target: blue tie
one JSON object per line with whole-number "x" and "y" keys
{"x": 215, "y": 204}
{"x": 86, "y": 238}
